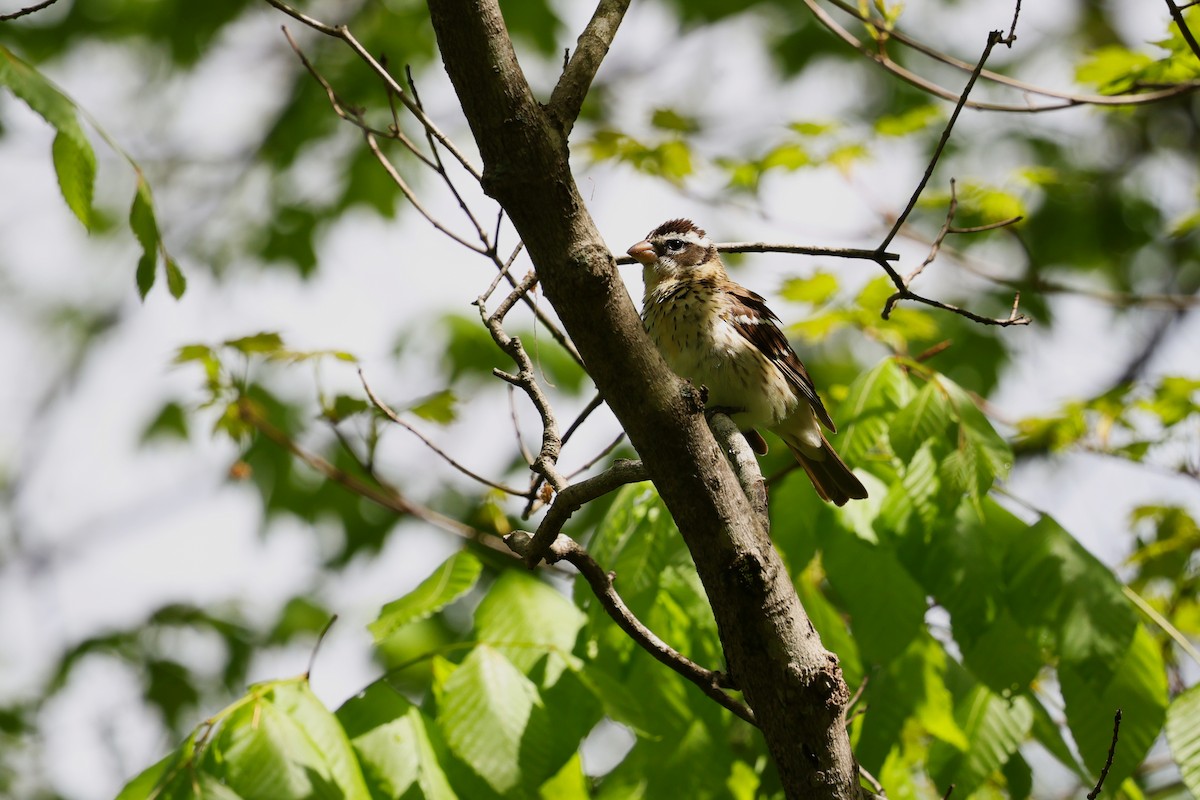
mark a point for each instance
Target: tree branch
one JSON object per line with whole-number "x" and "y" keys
{"x": 773, "y": 652}
{"x": 1112, "y": 751}
{"x": 1067, "y": 99}
{"x": 590, "y": 50}
{"x": 798, "y": 249}
{"x": 566, "y": 549}
{"x": 24, "y": 12}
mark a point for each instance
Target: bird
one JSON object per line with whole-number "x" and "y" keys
{"x": 722, "y": 336}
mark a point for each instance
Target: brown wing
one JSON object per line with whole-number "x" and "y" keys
{"x": 749, "y": 314}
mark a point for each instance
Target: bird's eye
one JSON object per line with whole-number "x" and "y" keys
{"x": 674, "y": 244}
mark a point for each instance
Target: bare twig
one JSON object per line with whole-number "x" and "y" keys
{"x": 534, "y": 501}
{"x": 343, "y": 33}
{"x": 24, "y": 12}
{"x": 355, "y": 116}
{"x": 312, "y": 657}
{"x": 1112, "y": 750}
{"x": 591, "y": 462}
{"x": 994, "y": 38}
{"x": 903, "y": 292}
{"x": 949, "y": 791}
{"x": 571, "y": 498}
{"x": 545, "y": 464}
{"x": 387, "y": 411}
{"x": 1067, "y": 99}
{"x": 565, "y": 549}
{"x": 797, "y": 249}
{"x": 385, "y": 496}
{"x": 572, "y": 87}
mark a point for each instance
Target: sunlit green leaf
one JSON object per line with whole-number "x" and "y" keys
{"x": 450, "y": 581}
{"x": 1183, "y": 735}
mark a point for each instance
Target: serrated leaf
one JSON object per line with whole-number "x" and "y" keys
{"x": 484, "y": 713}
{"x": 926, "y": 417}
{"x": 39, "y": 94}
{"x": 345, "y": 406}
{"x": 994, "y": 729}
{"x": 75, "y": 166}
{"x": 525, "y": 618}
{"x": 393, "y": 741}
{"x": 1137, "y": 685}
{"x": 869, "y": 406}
{"x": 1183, "y": 735}
{"x": 284, "y": 744}
{"x": 886, "y": 606}
{"x": 450, "y": 581}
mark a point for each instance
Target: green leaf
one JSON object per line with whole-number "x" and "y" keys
{"x": 485, "y": 713}
{"x": 886, "y": 606}
{"x": 40, "y": 95}
{"x": 525, "y": 618}
{"x": 284, "y": 744}
{"x": 75, "y": 165}
{"x": 265, "y": 342}
{"x": 815, "y": 290}
{"x": 170, "y": 423}
{"x": 1183, "y": 735}
{"x": 910, "y": 121}
{"x": 789, "y": 157}
{"x": 176, "y": 280}
{"x": 1137, "y": 685}
{"x": 668, "y": 119}
{"x": 440, "y": 407}
{"x": 145, "y": 228}
{"x": 869, "y": 406}
{"x": 450, "y": 581}
{"x": 994, "y": 728}
{"x": 394, "y": 743}
{"x": 925, "y": 417}
{"x": 1055, "y": 584}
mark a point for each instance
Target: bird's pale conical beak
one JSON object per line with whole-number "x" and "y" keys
{"x": 643, "y": 252}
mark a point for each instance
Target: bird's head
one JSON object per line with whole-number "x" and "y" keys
{"x": 677, "y": 249}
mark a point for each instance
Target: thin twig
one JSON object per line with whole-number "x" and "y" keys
{"x": 580, "y": 69}
{"x": 312, "y": 657}
{"x": 591, "y": 462}
{"x": 343, "y": 33}
{"x": 534, "y": 500}
{"x": 1112, "y": 751}
{"x": 545, "y": 464}
{"x": 902, "y": 284}
{"x": 386, "y": 496}
{"x": 601, "y": 582}
{"x": 993, "y": 39}
{"x": 797, "y": 249}
{"x": 571, "y": 498}
{"x": 1068, "y": 100}
{"x": 24, "y": 12}
{"x": 387, "y": 411}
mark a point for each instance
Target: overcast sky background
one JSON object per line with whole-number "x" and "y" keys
{"x": 101, "y": 530}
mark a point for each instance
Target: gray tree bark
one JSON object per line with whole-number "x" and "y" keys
{"x": 774, "y": 655}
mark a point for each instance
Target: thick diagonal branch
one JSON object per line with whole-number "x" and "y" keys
{"x": 590, "y": 50}
{"x": 773, "y": 652}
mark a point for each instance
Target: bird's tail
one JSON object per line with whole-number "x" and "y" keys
{"x": 830, "y": 476}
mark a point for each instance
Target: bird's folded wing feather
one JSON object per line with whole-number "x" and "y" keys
{"x": 749, "y": 314}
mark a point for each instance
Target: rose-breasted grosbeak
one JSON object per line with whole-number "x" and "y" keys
{"x": 720, "y": 335}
